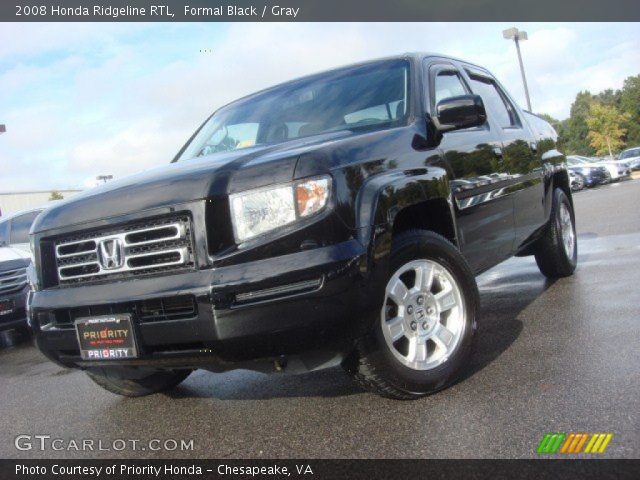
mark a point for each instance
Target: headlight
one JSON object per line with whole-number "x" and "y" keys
{"x": 259, "y": 211}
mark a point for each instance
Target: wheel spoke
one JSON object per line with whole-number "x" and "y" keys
{"x": 417, "y": 350}
{"x": 424, "y": 277}
{"x": 443, "y": 336}
{"x": 398, "y": 292}
{"x": 445, "y": 300}
{"x": 396, "y": 328}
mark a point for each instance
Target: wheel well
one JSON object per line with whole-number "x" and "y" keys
{"x": 434, "y": 215}
{"x": 561, "y": 180}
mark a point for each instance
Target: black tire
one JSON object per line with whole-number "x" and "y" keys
{"x": 551, "y": 256}
{"x": 121, "y": 382}
{"x": 579, "y": 183}
{"x": 373, "y": 365}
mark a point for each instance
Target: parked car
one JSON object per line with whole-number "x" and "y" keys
{"x": 13, "y": 288}
{"x": 631, "y": 156}
{"x": 15, "y": 262}
{"x": 576, "y": 181}
{"x": 312, "y": 224}
{"x": 592, "y": 175}
{"x": 617, "y": 170}
{"x": 14, "y": 228}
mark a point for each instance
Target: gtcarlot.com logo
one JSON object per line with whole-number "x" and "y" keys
{"x": 573, "y": 443}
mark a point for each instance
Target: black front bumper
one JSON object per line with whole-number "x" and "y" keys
{"x": 17, "y": 318}
{"x": 284, "y": 305}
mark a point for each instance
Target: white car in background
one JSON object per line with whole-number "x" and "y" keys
{"x": 617, "y": 170}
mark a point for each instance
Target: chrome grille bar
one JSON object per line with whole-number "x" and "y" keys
{"x": 13, "y": 280}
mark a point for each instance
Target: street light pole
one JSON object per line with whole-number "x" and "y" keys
{"x": 517, "y": 35}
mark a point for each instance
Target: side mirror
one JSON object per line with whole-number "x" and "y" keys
{"x": 455, "y": 113}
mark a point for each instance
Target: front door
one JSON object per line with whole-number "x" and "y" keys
{"x": 473, "y": 157}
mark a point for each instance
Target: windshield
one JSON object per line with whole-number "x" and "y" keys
{"x": 633, "y": 152}
{"x": 361, "y": 98}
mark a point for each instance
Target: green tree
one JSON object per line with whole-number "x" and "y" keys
{"x": 576, "y": 127}
{"x": 55, "y": 195}
{"x": 630, "y": 104}
{"x": 606, "y": 131}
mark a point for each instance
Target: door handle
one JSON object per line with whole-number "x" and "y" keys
{"x": 497, "y": 151}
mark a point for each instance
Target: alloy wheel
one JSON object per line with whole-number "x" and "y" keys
{"x": 423, "y": 317}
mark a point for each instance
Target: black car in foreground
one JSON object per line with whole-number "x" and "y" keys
{"x": 336, "y": 219}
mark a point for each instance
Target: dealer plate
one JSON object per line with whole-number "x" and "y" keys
{"x": 108, "y": 337}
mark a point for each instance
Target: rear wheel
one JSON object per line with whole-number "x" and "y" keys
{"x": 557, "y": 251}
{"x": 124, "y": 382}
{"x": 427, "y": 323}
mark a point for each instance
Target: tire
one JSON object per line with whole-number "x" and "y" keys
{"x": 554, "y": 259}
{"x": 118, "y": 382}
{"x": 381, "y": 366}
{"x": 579, "y": 185}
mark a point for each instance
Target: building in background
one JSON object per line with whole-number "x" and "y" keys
{"x": 11, "y": 202}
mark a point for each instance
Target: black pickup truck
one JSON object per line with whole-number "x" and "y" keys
{"x": 335, "y": 219}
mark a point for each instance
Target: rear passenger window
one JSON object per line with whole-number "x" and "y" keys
{"x": 448, "y": 84}
{"x": 494, "y": 101}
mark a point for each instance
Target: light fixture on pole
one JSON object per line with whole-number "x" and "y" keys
{"x": 518, "y": 35}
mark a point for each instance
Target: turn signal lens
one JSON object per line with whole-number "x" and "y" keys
{"x": 312, "y": 196}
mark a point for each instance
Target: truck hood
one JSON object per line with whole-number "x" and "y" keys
{"x": 204, "y": 177}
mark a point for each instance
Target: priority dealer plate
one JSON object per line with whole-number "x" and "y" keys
{"x": 108, "y": 337}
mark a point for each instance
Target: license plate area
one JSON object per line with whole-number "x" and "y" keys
{"x": 6, "y": 307}
{"x": 107, "y": 337}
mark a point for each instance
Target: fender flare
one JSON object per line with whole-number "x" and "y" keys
{"x": 382, "y": 197}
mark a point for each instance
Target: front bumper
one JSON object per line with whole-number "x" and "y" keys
{"x": 284, "y": 305}
{"x": 17, "y": 318}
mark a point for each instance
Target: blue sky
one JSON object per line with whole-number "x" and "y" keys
{"x": 85, "y": 99}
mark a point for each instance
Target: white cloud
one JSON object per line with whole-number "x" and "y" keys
{"x": 79, "y": 99}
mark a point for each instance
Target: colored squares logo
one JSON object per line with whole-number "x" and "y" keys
{"x": 572, "y": 443}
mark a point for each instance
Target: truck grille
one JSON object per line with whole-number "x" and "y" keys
{"x": 135, "y": 249}
{"x": 13, "y": 280}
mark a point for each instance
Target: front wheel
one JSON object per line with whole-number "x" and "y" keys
{"x": 133, "y": 384}
{"x": 557, "y": 251}
{"x": 427, "y": 323}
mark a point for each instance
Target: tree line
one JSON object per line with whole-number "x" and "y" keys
{"x": 601, "y": 124}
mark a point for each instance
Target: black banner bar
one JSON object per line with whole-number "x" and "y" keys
{"x": 319, "y": 469}
{"x": 316, "y": 10}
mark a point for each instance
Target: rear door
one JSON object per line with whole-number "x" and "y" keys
{"x": 524, "y": 171}
{"x": 472, "y": 157}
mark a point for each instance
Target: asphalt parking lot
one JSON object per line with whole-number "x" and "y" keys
{"x": 552, "y": 356}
